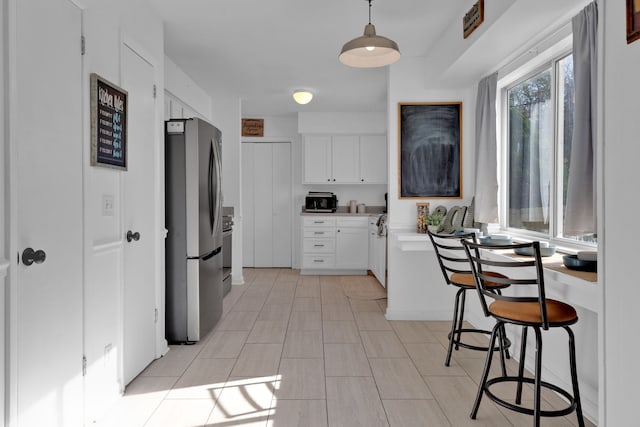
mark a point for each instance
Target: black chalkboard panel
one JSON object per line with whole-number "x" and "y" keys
{"x": 430, "y": 137}
{"x": 108, "y": 124}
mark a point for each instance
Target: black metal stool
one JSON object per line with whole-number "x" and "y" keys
{"x": 456, "y": 271}
{"x": 536, "y": 312}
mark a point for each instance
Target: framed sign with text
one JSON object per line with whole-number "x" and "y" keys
{"x": 252, "y": 127}
{"x": 108, "y": 124}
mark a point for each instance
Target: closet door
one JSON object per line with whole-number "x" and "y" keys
{"x": 247, "y": 205}
{"x": 282, "y": 205}
{"x": 267, "y": 204}
{"x": 263, "y": 240}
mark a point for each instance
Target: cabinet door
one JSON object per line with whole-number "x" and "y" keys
{"x": 345, "y": 156}
{"x": 373, "y": 159}
{"x": 317, "y": 159}
{"x": 352, "y": 248}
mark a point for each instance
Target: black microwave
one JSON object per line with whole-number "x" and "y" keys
{"x": 320, "y": 202}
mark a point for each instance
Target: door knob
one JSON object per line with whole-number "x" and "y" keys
{"x": 29, "y": 256}
{"x": 132, "y": 236}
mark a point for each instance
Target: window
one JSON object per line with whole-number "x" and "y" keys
{"x": 537, "y": 125}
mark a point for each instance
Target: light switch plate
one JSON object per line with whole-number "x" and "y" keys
{"x": 107, "y": 205}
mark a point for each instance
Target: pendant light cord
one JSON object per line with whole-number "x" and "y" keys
{"x": 370, "y": 11}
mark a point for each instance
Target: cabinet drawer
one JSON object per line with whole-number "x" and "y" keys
{"x": 355, "y": 221}
{"x": 313, "y": 246}
{"x": 318, "y": 221}
{"x": 319, "y": 232}
{"x": 318, "y": 261}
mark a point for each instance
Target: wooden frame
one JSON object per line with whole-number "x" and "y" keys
{"x": 430, "y": 150}
{"x": 109, "y": 105}
{"x": 473, "y": 18}
{"x": 633, "y": 20}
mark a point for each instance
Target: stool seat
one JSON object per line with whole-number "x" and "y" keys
{"x": 558, "y": 313}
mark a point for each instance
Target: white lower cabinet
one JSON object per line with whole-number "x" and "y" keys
{"x": 352, "y": 244}
{"x": 335, "y": 244}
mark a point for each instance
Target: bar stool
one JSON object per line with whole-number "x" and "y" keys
{"x": 455, "y": 269}
{"x": 536, "y": 312}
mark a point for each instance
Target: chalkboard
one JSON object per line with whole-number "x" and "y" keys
{"x": 430, "y": 138}
{"x": 108, "y": 124}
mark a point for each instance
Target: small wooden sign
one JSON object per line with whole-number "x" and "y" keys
{"x": 108, "y": 124}
{"x": 473, "y": 18}
{"x": 252, "y": 127}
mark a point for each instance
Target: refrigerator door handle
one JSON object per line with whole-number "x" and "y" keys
{"x": 212, "y": 254}
{"x": 217, "y": 224}
{"x": 219, "y": 188}
{"x": 212, "y": 208}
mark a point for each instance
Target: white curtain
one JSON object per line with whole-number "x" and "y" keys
{"x": 537, "y": 190}
{"x": 486, "y": 194}
{"x": 580, "y": 213}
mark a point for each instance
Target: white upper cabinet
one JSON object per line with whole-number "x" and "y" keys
{"x": 317, "y": 159}
{"x": 373, "y": 159}
{"x": 345, "y": 159}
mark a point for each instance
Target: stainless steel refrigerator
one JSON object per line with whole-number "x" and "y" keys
{"x": 193, "y": 216}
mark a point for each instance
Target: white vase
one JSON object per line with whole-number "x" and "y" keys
{"x": 433, "y": 228}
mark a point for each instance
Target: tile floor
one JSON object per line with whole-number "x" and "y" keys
{"x": 293, "y": 350}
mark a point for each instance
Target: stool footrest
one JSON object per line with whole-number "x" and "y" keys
{"x": 529, "y": 411}
{"x": 507, "y": 342}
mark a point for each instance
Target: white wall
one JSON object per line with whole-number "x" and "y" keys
{"x": 406, "y": 84}
{"x": 106, "y": 26}
{"x": 408, "y": 297}
{"x": 342, "y": 123}
{"x": 179, "y": 85}
{"x": 619, "y": 219}
{"x": 225, "y": 115}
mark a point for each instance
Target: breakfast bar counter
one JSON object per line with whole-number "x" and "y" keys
{"x": 580, "y": 287}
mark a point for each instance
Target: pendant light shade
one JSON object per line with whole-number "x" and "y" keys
{"x": 302, "y": 96}
{"x": 369, "y": 50}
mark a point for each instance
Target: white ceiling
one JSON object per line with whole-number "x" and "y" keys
{"x": 261, "y": 50}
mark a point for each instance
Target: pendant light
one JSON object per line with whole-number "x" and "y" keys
{"x": 369, "y": 50}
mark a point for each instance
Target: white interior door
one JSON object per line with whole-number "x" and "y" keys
{"x": 248, "y": 224}
{"x": 282, "y": 205}
{"x": 46, "y": 136}
{"x": 263, "y": 205}
{"x": 267, "y": 204}
{"x": 139, "y": 293}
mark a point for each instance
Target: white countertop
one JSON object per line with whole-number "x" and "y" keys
{"x": 344, "y": 211}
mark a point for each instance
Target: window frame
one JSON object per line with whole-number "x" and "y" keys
{"x": 528, "y": 68}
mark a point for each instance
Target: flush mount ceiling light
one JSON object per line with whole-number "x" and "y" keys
{"x": 302, "y": 96}
{"x": 369, "y": 50}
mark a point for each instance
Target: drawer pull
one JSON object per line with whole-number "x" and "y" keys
{"x": 318, "y": 260}
{"x": 318, "y": 246}
{"x": 318, "y": 232}
{"x": 318, "y": 222}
